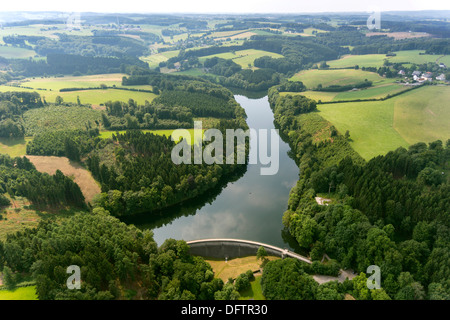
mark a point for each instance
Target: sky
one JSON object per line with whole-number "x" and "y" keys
{"x": 227, "y": 6}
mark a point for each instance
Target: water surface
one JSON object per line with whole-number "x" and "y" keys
{"x": 249, "y": 208}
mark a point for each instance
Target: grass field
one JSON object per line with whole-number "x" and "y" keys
{"x": 254, "y": 292}
{"x": 155, "y": 59}
{"x": 413, "y": 56}
{"x": 22, "y": 293}
{"x": 16, "y": 53}
{"x": 57, "y": 83}
{"x": 367, "y": 60}
{"x": 376, "y": 92}
{"x": 14, "y": 147}
{"x": 370, "y": 125}
{"x": 381, "y": 126}
{"x": 234, "y": 267}
{"x": 80, "y": 175}
{"x": 423, "y": 114}
{"x": 96, "y": 97}
{"x": 243, "y": 57}
{"x": 376, "y": 60}
{"x": 312, "y": 78}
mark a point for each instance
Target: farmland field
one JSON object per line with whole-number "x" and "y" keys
{"x": 49, "y": 88}
{"x": 312, "y": 78}
{"x": 367, "y": 60}
{"x": 423, "y": 114}
{"x": 57, "y": 83}
{"x": 376, "y": 92}
{"x": 16, "y": 53}
{"x": 94, "y": 97}
{"x": 155, "y": 59}
{"x": 381, "y": 126}
{"x": 22, "y": 293}
{"x": 413, "y": 56}
{"x": 376, "y": 60}
{"x": 243, "y": 57}
{"x": 370, "y": 125}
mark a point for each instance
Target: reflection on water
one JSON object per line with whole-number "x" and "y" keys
{"x": 249, "y": 208}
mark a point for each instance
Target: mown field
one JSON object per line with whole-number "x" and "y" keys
{"x": 245, "y": 58}
{"x": 381, "y": 126}
{"x": 312, "y": 78}
{"x": 234, "y": 267}
{"x": 22, "y": 293}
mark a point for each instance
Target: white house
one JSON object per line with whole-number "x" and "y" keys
{"x": 441, "y": 77}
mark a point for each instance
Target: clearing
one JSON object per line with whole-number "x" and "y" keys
{"x": 15, "y": 147}
{"x": 80, "y": 175}
{"x": 22, "y": 293}
{"x": 16, "y": 53}
{"x": 234, "y": 267}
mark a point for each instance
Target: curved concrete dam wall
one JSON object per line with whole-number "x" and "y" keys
{"x": 235, "y": 248}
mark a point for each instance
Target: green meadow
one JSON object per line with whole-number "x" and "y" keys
{"x": 415, "y": 56}
{"x": 313, "y": 77}
{"x": 155, "y": 59}
{"x": 370, "y": 125}
{"x": 377, "y": 60}
{"x": 423, "y": 114}
{"x": 367, "y": 60}
{"x": 22, "y": 293}
{"x": 14, "y": 147}
{"x": 243, "y": 57}
{"x": 376, "y": 92}
{"x": 49, "y": 88}
{"x": 381, "y": 126}
{"x": 254, "y": 292}
{"x": 16, "y": 53}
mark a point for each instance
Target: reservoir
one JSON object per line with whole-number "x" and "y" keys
{"x": 249, "y": 208}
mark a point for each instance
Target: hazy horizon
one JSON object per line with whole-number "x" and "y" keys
{"x": 232, "y": 6}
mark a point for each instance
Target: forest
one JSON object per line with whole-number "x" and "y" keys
{"x": 390, "y": 211}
